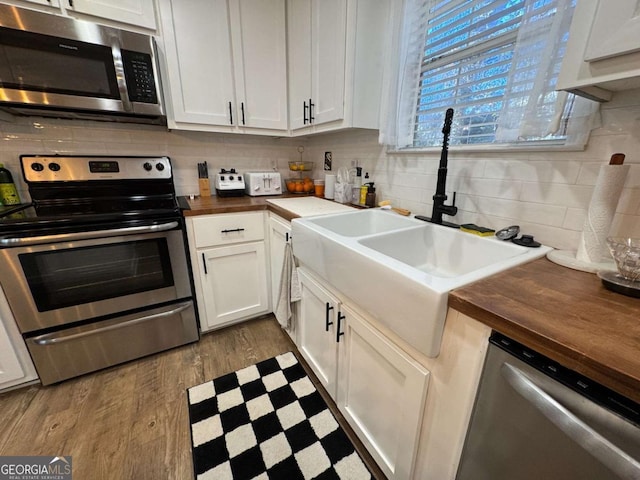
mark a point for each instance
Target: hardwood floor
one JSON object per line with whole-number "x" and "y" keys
{"x": 131, "y": 421}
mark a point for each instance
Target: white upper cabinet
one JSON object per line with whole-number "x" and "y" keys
{"x": 134, "y": 12}
{"x": 317, "y": 48}
{"x": 224, "y": 65}
{"x": 603, "y": 52}
{"x": 336, "y": 53}
{"x": 49, "y": 3}
{"x": 259, "y": 37}
{"x": 115, "y": 13}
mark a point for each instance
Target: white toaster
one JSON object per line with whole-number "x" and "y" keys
{"x": 262, "y": 183}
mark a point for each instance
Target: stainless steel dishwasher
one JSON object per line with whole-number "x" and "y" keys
{"x": 534, "y": 419}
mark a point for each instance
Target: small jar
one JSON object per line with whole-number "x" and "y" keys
{"x": 318, "y": 188}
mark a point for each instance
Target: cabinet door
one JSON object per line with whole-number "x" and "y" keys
{"x": 279, "y": 233}
{"x": 317, "y": 319}
{"x": 328, "y": 42}
{"x": 198, "y": 67}
{"x": 258, "y": 30}
{"x": 49, "y": 3}
{"x": 615, "y": 31}
{"x": 133, "y": 12}
{"x": 381, "y": 393}
{"x": 299, "y": 50}
{"x": 16, "y": 366}
{"x": 234, "y": 283}
{"x": 317, "y": 47}
{"x": 10, "y": 368}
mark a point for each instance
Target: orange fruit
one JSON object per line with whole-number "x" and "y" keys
{"x": 299, "y": 187}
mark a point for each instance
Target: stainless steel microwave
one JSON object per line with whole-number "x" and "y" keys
{"x": 59, "y": 66}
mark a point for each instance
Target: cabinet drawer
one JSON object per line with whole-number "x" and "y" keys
{"x": 224, "y": 229}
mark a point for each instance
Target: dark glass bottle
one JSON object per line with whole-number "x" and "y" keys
{"x": 8, "y": 192}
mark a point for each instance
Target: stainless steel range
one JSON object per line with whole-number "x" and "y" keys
{"x": 95, "y": 269}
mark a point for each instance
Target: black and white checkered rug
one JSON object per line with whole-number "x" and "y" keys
{"x": 268, "y": 421}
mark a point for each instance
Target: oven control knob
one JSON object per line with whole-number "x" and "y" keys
{"x": 54, "y": 167}
{"x": 230, "y": 177}
{"x": 37, "y": 167}
{"x": 147, "y": 166}
{"x": 160, "y": 166}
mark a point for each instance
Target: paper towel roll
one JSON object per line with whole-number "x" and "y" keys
{"x": 329, "y": 186}
{"x": 602, "y": 208}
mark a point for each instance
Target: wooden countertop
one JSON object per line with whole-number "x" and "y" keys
{"x": 564, "y": 314}
{"x": 215, "y": 204}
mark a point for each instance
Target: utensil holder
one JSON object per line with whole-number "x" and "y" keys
{"x": 205, "y": 187}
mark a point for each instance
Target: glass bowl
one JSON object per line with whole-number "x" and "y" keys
{"x": 298, "y": 185}
{"x": 626, "y": 253}
{"x": 300, "y": 166}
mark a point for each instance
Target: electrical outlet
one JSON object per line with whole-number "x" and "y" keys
{"x": 327, "y": 160}
{"x": 274, "y": 164}
{"x": 354, "y": 163}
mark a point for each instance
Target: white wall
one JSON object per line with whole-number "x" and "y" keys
{"x": 546, "y": 193}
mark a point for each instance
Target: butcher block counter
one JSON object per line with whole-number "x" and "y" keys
{"x": 564, "y": 314}
{"x": 287, "y": 206}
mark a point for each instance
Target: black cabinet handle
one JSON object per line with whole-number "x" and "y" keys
{"x": 338, "y": 332}
{"x": 242, "y": 110}
{"x": 327, "y": 322}
{"x": 304, "y": 112}
{"x": 230, "y": 114}
{"x": 232, "y": 230}
{"x": 204, "y": 264}
{"x": 311, "y": 117}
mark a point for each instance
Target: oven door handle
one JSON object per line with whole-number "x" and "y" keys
{"x": 68, "y": 237}
{"x": 54, "y": 338}
{"x": 586, "y": 437}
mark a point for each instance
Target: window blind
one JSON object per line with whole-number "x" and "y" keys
{"x": 477, "y": 61}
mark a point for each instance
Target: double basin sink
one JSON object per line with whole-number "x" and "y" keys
{"x": 401, "y": 269}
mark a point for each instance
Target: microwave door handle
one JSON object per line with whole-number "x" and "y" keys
{"x": 606, "y": 452}
{"x": 68, "y": 237}
{"x": 55, "y": 338}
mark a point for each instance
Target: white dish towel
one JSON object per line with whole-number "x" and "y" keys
{"x": 289, "y": 288}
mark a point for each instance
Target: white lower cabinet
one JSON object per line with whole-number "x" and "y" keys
{"x": 234, "y": 282}
{"x": 381, "y": 393}
{"x": 279, "y": 236}
{"x": 379, "y": 389}
{"x": 229, "y": 262}
{"x": 16, "y": 366}
{"x": 317, "y": 323}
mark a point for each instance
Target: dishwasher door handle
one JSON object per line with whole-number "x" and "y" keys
{"x": 598, "y": 446}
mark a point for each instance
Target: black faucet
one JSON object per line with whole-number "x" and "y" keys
{"x": 439, "y": 207}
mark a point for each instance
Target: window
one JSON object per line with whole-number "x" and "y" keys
{"x": 495, "y": 62}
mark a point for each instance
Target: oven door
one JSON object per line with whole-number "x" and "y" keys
{"x": 54, "y": 284}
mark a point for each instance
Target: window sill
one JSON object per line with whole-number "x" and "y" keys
{"x": 488, "y": 149}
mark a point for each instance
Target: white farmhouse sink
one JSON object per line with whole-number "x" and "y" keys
{"x": 363, "y": 222}
{"x": 400, "y": 269}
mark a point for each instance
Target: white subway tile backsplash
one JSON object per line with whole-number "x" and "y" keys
{"x": 557, "y": 194}
{"x": 574, "y": 219}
